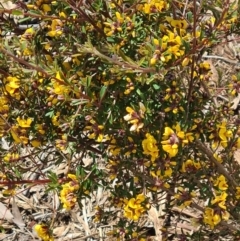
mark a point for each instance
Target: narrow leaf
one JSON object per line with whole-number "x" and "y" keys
{"x": 17, "y": 12}
{"x": 5, "y": 213}
{"x": 103, "y": 92}
{"x": 17, "y": 216}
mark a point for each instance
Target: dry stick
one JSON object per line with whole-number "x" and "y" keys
{"x": 191, "y": 84}
{"x": 185, "y": 7}
{"x": 39, "y": 182}
{"x": 125, "y": 65}
{"x": 22, "y": 61}
{"x": 220, "y": 167}
{"x": 4, "y": 73}
{"x": 235, "y": 62}
{"x": 88, "y": 236}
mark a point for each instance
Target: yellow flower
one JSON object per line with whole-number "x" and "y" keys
{"x": 61, "y": 144}
{"x": 221, "y": 183}
{"x": 172, "y": 150}
{"x": 59, "y": 88}
{"x": 10, "y": 191}
{"x": 11, "y": 157}
{"x": 46, "y": 8}
{"x": 171, "y": 139}
{"x": 184, "y": 197}
{"x": 190, "y": 166}
{"x": 62, "y": 15}
{"x": 134, "y": 202}
{"x": 218, "y": 158}
{"x": 68, "y": 195}
{"x": 119, "y": 17}
{"x": 150, "y": 147}
{"x": 153, "y": 61}
{"x": 170, "y": 142}
{"x": 39, "y": 128}
{"x": 238, "y": 192}
{"x": 179, "y": 132}
{"x": 153, "y": 6}
{"x": 96, "y": 132}
{"x": 28, "y": 33}
{"x": 133, "y": 208}
{"x": 56, "y": 28}
{"x": 43, "y": 232}
{"x": 113, "y": 148}
{"x": 168, "y": 172}
{"x": 19, "y": 135}
{"x": 220, "y": 200}
{"x": 36, "y": 143}
{"x": 134, "y": 118}
{"x": 177, "y": 23}
{"x": 185, "y": 61}
{"x": 224, "y": 134}
{"x": 4, "y": 108}
{"x": 24, "y": 123}
{"x": 168, "y": 132}
{"x": 27, "y": 52}
{"x": 68, "y": 198}
{"x": 225, "y": 215}
{"x": 211, "y": 218}
{"x": 55, "y": 119}
{"x": 12, "y": 86}
{"x": 15, "y": 135}
{"x": 205, "y": 65}
{"x": 131, "y": 146}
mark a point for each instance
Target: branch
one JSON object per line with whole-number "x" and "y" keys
{"x": 220, "y": 167}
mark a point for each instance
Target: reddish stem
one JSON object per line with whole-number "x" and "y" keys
{"x": 8, "y": 183}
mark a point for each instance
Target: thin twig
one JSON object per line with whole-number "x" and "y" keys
{"x": 191, "y": 84}
{"x": 22, "y": 61}
{"x": 221, "y": 58}
{"x": 220, "y": 167}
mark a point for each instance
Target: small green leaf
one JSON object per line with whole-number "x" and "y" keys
{"x": 102, "y": 92}
{"x": 89, "y": 80}
{"x": 110, "y": 40}
{"x": 79, "y": 102}
{"x": 149, "y": 80}
{"x": 24, "y": 19}
{"x": 111, "y": 119}
{"x": 50, "y": 113}
{"x": 53, "y": 177}
{"x": 17, "y": 173}
{"x": 140, "y": 93}
{"x": 141, "y": 61}
{"x": 156, "y": 87}
{"x": 190, "y": 16}
{"x": 80, "y": 173}
{"x": 186, "y": 46}
{"x": 17, "y": 12}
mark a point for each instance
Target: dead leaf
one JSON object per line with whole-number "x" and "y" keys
{"x": 153, "y": 216}
{"x": 235, "y": 102}
{"x": 17, "y": 215}
{"x": 214, "y": 75}
{"x": 5, "y": 213}
{"x": 3, "y": 236}
{"x": 59, "y": 231}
